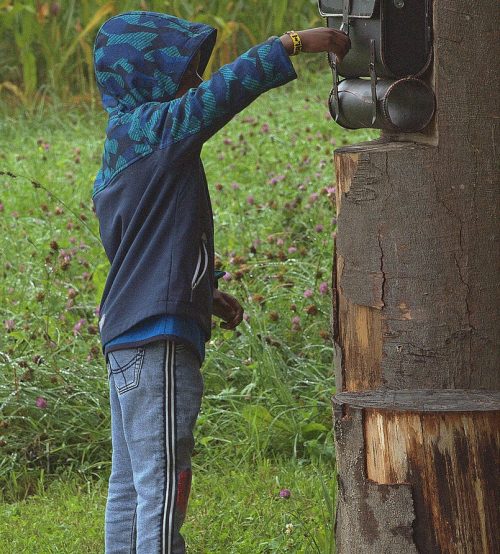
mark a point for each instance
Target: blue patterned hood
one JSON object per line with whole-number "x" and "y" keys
{"x": 141, "y": 57}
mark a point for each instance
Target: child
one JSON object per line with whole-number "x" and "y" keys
{"x": 155, "y": 217}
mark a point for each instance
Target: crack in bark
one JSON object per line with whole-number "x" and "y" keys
{"x": 464, "y": 282}
{"x": 471, "y": 328}
{"x": 339, "y": 347}
{"x": 382, "y": 270}
{"x": 445, "y": 206}
{"x": 493, "y": 144}
{"x": 424, "y": 354}
{"x": 461, "y": 277}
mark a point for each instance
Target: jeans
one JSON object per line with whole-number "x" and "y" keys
{"x": 155, "y": 397}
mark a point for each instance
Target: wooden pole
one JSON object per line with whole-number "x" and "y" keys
{"x": 416, "y": 313}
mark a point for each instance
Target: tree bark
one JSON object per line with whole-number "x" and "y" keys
{"x": 416, "y": 310}
{"x": 427, "y": 459}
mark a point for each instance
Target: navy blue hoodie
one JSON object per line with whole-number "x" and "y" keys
{"x": 151, "y": 195}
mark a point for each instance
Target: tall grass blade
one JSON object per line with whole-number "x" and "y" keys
{"x": 101, "y": 13}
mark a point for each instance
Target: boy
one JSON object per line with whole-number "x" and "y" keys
{"x": 155, "y": 217}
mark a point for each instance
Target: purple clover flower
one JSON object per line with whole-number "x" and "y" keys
{"x": 41, "y": 403}
{"x": 308, "y": 293}
{"x": 323, "y": 288}
{"x": 55, "y": 8}
{"x": 9, "y": 324}
{"x": 285, "y": 493}
{"x": 78, "y": 326}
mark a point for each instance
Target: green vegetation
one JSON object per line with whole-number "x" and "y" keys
{"x": 266, "y": 415}
{"x": 233, "y": 508}
{"x": 46, "y": 46}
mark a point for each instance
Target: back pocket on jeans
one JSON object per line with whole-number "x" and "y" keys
{"x": 125, "y": 366}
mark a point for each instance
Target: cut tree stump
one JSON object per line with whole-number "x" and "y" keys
{"x": 422, "y": 464}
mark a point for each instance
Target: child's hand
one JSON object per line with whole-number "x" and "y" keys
{"x": 228, "y": 309}
{"x": 320, "y": 39}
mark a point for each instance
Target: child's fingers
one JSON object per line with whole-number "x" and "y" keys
{"x": 235, "y": 321}
{"x": 231, "y": 325}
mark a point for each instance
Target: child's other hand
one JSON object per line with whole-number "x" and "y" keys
{"x": 321, "y": 39}
{"x": 228, "y": 309}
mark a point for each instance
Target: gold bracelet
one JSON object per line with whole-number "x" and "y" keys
{"x": 297, "y": 42}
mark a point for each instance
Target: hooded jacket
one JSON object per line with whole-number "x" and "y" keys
{"x": 151, "y": 195}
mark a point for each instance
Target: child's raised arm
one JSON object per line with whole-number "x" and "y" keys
{"x": 194, "y": 117}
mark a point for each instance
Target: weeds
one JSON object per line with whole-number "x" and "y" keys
{"x": 46, "y": 47}
{"x": 268, "y": 386}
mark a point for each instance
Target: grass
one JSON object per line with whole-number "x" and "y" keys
{"x": 227, "y": 513}
{"x": 46, "y": 47}
{"x": 267, "y": 386}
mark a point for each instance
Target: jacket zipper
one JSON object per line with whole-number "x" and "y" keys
{"x": 201, "y": 265}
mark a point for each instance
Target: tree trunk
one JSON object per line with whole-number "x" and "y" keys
{"x": 416, "y": 312}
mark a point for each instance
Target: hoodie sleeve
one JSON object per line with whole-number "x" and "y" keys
{"x": 193, "y": 118}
